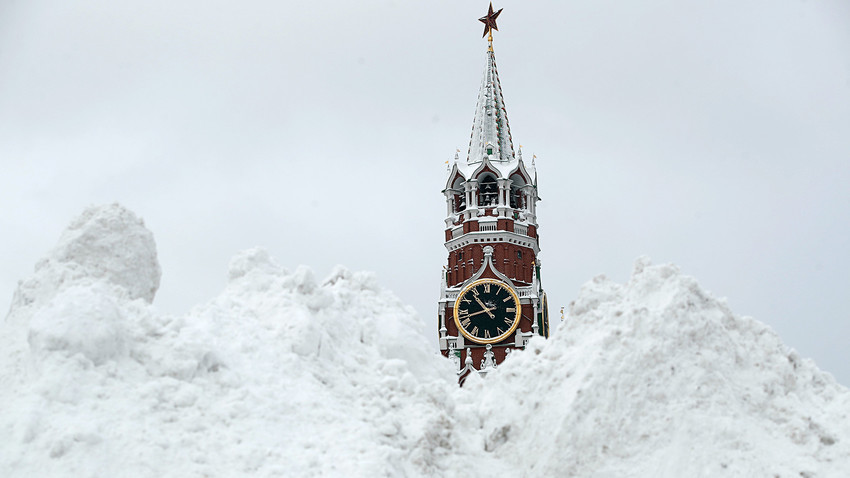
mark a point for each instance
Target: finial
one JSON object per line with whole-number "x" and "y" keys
{"x": 520, "y": 152}
{"x": 489, "y": 22}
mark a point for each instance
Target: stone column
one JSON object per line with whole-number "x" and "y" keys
{"x": 504, "y": 191}
{"x": 450, "y": 214}
{"x": 531, "y": 203}
{"x": 472, "y": 198}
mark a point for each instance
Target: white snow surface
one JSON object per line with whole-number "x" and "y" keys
{"x": 109, "y": 244}
{"x": 284, "y": 375}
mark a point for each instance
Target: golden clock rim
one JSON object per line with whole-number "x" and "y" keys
{"x": 508, "y": 332}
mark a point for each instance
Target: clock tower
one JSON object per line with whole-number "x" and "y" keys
{"x": 491, "y": 298}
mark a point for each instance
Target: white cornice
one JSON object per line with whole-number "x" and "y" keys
{"x": 491, "y": 238}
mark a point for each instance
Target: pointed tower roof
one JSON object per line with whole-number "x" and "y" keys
{"x": 491, "y": 134}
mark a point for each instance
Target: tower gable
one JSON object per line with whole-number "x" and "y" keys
{"x": 487, "y": 270}
{"x": 454, "y": 175}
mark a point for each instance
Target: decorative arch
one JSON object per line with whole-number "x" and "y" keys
{"x": 453, "y": 176}
{"x": 486, "y": 167}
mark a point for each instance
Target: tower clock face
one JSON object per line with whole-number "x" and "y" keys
{"x": 487, "y": 311}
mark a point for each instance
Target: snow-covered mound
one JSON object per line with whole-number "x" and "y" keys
{"x": 285, "y": 375}
{"x": 108, "y": 244}
{"x": 657, "y": 378}
{"x": 280, "y": 375}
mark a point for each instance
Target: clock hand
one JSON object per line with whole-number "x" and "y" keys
{"x": 480, "y": 312}
{"x": 485, "y": 308}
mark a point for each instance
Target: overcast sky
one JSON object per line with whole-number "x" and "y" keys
{"x": 713, "y": 135}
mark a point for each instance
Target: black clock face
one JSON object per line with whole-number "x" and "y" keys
{"x": 487, "y": 311}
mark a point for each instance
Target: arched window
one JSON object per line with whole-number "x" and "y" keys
{"x": 488, "y": 191}
{"x": 517, "y": 198}
{"x": 458, "y": 196}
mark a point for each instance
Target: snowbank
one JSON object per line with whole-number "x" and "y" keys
{"x": 658, "y": 378}
{"x": 286, "y": 375}
{"x": 280, "y": 375}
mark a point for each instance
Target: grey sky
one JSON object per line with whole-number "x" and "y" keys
{"x": 713, "y": 135}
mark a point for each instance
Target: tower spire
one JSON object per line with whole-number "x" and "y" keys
{"x": 491, "y": 134}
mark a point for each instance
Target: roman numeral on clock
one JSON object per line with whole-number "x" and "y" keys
{"x": 465, "y": 322}
{"x": 487, "y": 288}
{"x": 507, "y": 299}
{"x": 486, "y": 334}
{"x": 474, "y": 330}
{"x": 510, "y": 309}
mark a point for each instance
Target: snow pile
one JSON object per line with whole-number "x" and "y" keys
{"x": 280, "y": 375}
{"x": 108, "y": 244}
{"x": 74, "y": 303}
{"x": 285, "y": 375}
{"x": 657, "y": 378}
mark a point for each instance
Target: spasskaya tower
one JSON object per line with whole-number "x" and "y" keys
{"x": 491, "y": 298}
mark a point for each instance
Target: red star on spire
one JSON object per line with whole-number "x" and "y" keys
{"x": 490, "y": 20}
